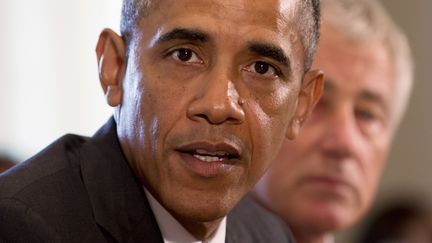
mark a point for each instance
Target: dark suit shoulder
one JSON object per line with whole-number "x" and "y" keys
{"x": 54, "y": 159}
{"x": 19, "y": 223}
{"x": 45, "y": 196}
{"x": 250, "y": 222}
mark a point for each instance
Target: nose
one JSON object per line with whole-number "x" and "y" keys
{"x": 341, "y": 136}
{"x": 217, "y": 101}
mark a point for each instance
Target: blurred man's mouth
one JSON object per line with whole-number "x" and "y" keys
{"x": 328, "y": 183}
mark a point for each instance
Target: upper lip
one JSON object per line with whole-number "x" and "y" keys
{"x": 227, "y": 150}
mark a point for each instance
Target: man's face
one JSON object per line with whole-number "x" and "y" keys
{"x": 209, "y": 92}
{"x": 327, "y": 178}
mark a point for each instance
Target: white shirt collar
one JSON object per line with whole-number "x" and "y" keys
{"x": 173, "y": 232}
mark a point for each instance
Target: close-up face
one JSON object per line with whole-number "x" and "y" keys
{"x": 326, "y": 179}
{"x": 209, "y": 93}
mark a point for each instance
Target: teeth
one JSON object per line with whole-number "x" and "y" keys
{"x": 217, "y": 153}
{"x": 208, "y": 158}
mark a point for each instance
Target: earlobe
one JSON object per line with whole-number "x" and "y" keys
{"x": 293, "y": 129}
{"x": 110, "y": 51}
{"x": 309, "y": 95}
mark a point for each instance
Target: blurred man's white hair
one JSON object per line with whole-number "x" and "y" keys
{"x": 366, "y": 20}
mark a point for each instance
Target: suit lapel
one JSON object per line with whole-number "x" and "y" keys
{"x": 119, "y": 203}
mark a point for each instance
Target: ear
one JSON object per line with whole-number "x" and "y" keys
{"x": 309, "y": 95}
{"x": 111, "y": 53}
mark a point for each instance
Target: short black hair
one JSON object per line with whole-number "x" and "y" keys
{"x": 308, "y": 23}
{"x": 311, "y": 37}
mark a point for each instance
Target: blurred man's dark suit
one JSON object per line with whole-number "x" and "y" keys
{"x": 82, "y": 190}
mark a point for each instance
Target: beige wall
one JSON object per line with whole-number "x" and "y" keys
{"x": 410, "y": 163}
{"x": 48, "y": 73}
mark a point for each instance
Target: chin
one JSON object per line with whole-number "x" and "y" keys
{"x": 321, "y": 219}
{"x": 337, "y": 219}
{"x": 205, "y": 215}
{"x": 202, "y": 209}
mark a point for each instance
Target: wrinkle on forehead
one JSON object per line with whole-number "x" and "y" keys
{"x": 279, "y": 13}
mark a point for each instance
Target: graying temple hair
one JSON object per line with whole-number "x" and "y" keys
{"x": 309, "y": 27}
{"x": 308, "y": 23}
{"x": 132, "y": 11}
{"x": 365, "y": 20}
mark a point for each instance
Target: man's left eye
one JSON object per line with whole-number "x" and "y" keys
{"x": 262, "y": 68}
{"x": 185, "y": 55}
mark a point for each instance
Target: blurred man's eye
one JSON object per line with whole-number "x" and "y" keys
{"x": 365, "y": 115}
{"x": 371, "y": 121}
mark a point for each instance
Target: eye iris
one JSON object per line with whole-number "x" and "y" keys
{"x": 184, "y": 54}
{"x": 261, "y": 67}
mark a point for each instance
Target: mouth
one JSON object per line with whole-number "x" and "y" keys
{"x": 212, "y": 156}
{"x": 209, "y": 159}
{"x": 328, "y": 183}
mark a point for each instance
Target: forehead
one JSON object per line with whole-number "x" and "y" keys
{"x": 355, "y": 68}
{"x": 260, "y": 10}
{"x": 227, "y": 16}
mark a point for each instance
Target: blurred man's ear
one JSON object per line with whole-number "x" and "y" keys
{"x": 111, "y": 53}
{"x": 310, "y": 93}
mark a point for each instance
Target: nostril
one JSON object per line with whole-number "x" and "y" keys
{"x": 201, "y": 116}
{"x": 217, "y": 103}
{"x": 217, "y": 116}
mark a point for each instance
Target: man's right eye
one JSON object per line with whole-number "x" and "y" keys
{"x": 185, "y": 55}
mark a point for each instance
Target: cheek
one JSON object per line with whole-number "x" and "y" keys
{"x": 371, "y": 172}
{"x": 288, "y": 167}
{"x": 164, "y": 110}
{"x": 268, "y": 120}
{"x": 279, "y": 109}
{"x": 156, "y": 108}
{"x": 374, "y": 171}
{"x": 282, "y": 185}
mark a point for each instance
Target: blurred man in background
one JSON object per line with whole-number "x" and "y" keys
{"x": 326, "y": 180}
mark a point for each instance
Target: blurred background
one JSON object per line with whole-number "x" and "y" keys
{"x": 49, "y": 86}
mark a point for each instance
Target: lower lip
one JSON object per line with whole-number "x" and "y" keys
{"x": 205, "y": 169}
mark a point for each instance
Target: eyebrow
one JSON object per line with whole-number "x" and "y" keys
{"x": 270, "y": 51}
{"x": 184, "y": 34}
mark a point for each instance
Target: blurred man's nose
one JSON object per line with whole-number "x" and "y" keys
{"x": 341, "y": 135}
{"x": 217, "y": 100}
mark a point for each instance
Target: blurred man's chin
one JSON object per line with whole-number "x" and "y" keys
{"x": 327, "y": 217}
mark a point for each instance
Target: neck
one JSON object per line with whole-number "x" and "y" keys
{"x": 308, "y": 237}
{"x": 200, "y": 230}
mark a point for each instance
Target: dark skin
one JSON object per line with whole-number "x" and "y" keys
{"x": 200, "y": 118}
